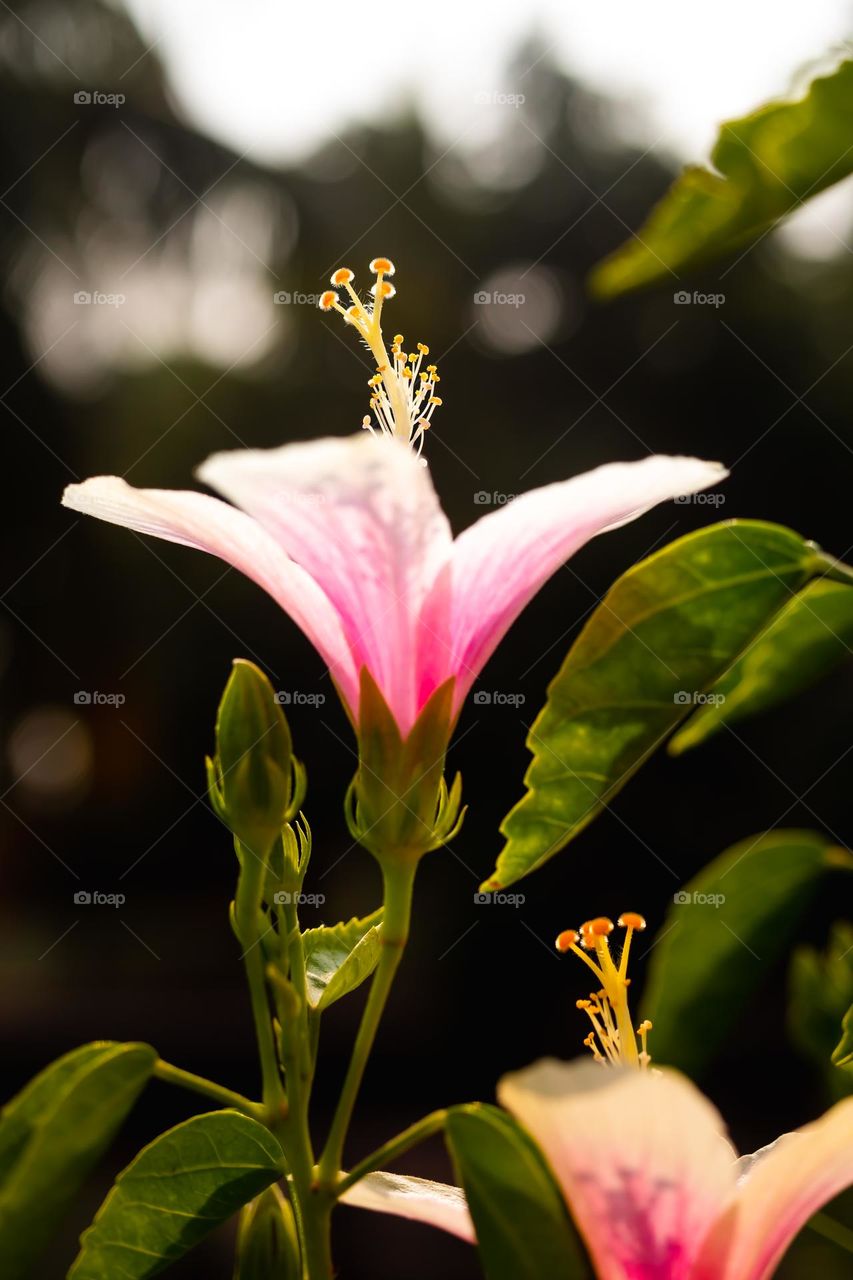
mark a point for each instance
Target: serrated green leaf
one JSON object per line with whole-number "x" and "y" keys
{"x": 182, "y": 1185}
{"x": 53, "y": 1133}
{"x": 338, "y": 958}
{"x": 810, "y": 635}
{"x": 524, "y": 1230}
{"x": 821, "y": 991}
{"x": 765, "y": 165}
{"x": 728, "y": 925}
{"x": 664, "y": 633}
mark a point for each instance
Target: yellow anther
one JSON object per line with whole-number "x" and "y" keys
{"x": 423, "y": 348}
{"x": 600, "y": 927}
{"x": 435, "y": 400}
{"x": 327, "y": 300}
{"x": 343, "y": 276}
{"x": 382, "y": 266}
{"x": 385, "y": 289}
{"x": 630, "y": 920}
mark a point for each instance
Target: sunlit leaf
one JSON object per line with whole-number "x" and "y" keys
{"x": 179, "y": 1187}
{"x": 763, "y": 167}
{"x": 339, "y": 957}
{"x": 810, "y": 635}
{"x": 724, "y": 930}
{"x": 53, "y": 1133}
{"x": 524, "y": 1231}
{"x": 663, "y": 634}
{"x": 821, "y": 992}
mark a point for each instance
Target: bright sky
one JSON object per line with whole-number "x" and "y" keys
{"x": 276, "y": 77}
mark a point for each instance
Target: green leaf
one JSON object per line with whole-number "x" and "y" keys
{"x": 665, "y": 632}
{"x": 810, "y": 634}
{"x": 842, "y": 1054}
{"x": 339, "y": 957}
{"x": 764, "y": 166}
{"x": 821, "y": 991}
{"x": 53, "y": 1133}
{"x": 182, "y": 1185}
{"x": 722, "y": 933}
{"x": 524, "y": 1231}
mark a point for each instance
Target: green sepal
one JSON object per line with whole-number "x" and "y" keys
{"x": 267, "y": 1244}
{"x": 842, "y": 1054}
{"x": 398, "y": 805}
{"x": 251, "y": 777}
{"x": 524, "y": 1230}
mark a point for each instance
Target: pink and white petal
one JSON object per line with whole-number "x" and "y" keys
{"x": 197, "y": 520}
{"x": 361, "y": 516}
{"x": 641, "y": 1157}
{"x": 783, "y": 1187}
{"x": 435, "y": 1203}
{"x": 500, "y": 562}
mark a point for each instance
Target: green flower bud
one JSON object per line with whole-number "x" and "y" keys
{"x": 250, "y": 779}
{"x": 266, "y": 1243}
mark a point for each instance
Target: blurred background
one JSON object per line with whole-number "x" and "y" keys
{"x": 177, "y": 184}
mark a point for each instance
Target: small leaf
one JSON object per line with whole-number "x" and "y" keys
{"x": 765, "y": 165}
{"x": 53, "y": 1133}
{"x": 821, "y": 991}
{"x": 338, "y": 958}
{"x": 182, "y": 1185}
{"x": 524, "y": 1231}
{"x": 723, "y": 931}
{"x": 665, "y": 631}
{"x": 810, "y": 635}
{"x": 842, "y": 1054}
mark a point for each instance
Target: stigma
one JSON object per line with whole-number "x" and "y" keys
{"x": 403, "y": 389}
{"x": 613, "y": 1039}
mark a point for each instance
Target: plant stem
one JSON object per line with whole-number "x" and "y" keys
{"x": 395, "y": 1147}
{"x": 208, "y": 1088}
{"x": 398, "y": 880}
{"x": 248, "y": 900}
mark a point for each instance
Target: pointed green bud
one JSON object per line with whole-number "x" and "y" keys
{"x": 250, "y": 779}
{"x": 267, "y": 1245}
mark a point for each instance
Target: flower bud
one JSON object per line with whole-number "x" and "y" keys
{"x": 267, "y": 1244}
{"x": 250, "y": 779}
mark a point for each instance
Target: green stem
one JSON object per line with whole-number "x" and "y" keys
{"x": 398, "y": 881}
{"x": 390, "y": 1150}
{"x": 248, "y": 901}
{"x": 835, "y": 570}
{"x": 832, "y": 1230}
{"x": 208, "y": 1089}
